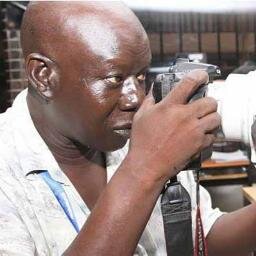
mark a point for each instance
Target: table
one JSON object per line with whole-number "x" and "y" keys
{"x": 249, "y": 194}
{"x": 210, "y": 177}
{"x": 208, "y": 164}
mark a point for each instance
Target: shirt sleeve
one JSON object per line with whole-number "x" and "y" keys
{"x": 14, "y": 236}
{"x": 208, "y": 214}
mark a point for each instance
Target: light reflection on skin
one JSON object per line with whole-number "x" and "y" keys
{"x": 98, "y": 91}
{"x": 126, "y": 133}
{"x": 104, "y": 43}
{"x": 130, "y": 91}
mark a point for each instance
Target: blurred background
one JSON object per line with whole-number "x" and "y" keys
{"x": 220, "y": 32}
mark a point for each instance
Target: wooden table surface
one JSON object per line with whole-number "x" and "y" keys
{"x": 208, "y": 164}
{"x": 249, "y": 193}
{"x": 223, "y": 177}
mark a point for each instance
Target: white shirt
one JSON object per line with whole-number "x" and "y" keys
{"x": 32, "y": 221}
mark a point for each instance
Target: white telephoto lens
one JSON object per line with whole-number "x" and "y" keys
{"x": 236, "y": 97}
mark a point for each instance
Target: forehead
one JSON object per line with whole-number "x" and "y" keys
{"x": 103, "y": 36}
{"x": 62, "y": 30}
{"x": 110, "y": 42}
{"x": 92, "y": 33}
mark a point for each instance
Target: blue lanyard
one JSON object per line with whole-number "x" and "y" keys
{"x": 60, "y": 195}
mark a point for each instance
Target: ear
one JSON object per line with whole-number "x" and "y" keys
{"x": 42, "y": 75}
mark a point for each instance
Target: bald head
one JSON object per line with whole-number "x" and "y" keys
{"x": 86, "y": 64}
{"x": 50, "y": 27}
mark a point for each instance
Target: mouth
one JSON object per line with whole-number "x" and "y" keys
{"x": 124, "y": 132}
{"x": 123, "y": 128}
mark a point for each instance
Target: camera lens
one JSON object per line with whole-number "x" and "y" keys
{"x": 236, "y": 105}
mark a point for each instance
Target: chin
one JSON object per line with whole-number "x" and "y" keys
{"x": 115, "y": 144}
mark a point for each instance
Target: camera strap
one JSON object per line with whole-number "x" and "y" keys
{"x": 176, "y": 211}
{"x": 200, "y": 248}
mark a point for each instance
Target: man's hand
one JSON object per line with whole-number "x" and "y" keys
{"x": 165, "y": 136}
{"x": 253, "y": 131}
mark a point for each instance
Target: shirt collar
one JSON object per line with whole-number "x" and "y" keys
{"x": 32, "y": 151}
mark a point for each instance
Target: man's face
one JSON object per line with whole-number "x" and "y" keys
{"x": 102, "y": 81}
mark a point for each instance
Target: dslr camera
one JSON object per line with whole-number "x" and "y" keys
{"x": 236, "y": 98}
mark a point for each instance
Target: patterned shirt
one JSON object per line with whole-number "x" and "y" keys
{"x": 32, "y": 222}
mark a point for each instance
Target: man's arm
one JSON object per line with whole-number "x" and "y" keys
{"x": 120, "y": 215}
{"x": 233, "y": 234}
{"x": 165, "y": 136}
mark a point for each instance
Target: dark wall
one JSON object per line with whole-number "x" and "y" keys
{"x": 12, "y": 73}
{"x": 227, "y": 40}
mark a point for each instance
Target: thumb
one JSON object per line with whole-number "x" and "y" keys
{"x": 149, "y": 100}
{"x": 253, "y": 132}
{"x": 147, "y": 103}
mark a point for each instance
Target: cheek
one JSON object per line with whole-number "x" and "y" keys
{"x": 102, "y": 94}
{"x": 97, "y": 112}
{"x": 98, "y": 94}
{"x": 90, "y": 103}
{"x": 103, "y": 99}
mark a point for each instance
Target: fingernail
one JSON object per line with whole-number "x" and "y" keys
{"x": 199, "y": 75}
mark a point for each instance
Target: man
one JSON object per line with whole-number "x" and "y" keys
{"x": 86, "y": 65}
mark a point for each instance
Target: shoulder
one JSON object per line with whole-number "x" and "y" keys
{"x": 8, "y": 155}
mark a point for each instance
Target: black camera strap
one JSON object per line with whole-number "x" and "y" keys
{"x": 176, "y": 211}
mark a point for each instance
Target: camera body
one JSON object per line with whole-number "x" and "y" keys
{"x": 236, "y": 98}
{"x": 164, "y": 82}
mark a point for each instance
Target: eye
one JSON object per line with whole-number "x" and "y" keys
{"x": 114, "y": 80}
{"x": 141, "y": 77}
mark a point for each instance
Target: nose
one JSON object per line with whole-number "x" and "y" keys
{"x": 132, "y": 94}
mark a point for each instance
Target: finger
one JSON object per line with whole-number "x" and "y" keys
{"x": 204, "y": 106}
{"x": 186, "y": 87}
{"x": 150, "y": 92}
{"x": 253, "y": 132}
{"x": 210, "y": 123}
{"x": 208, "y": 140}
{"x": 148, "y": 101}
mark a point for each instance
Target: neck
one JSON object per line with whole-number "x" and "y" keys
{"x": 66, "y": 152}
{"x": 85, "y": 167}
